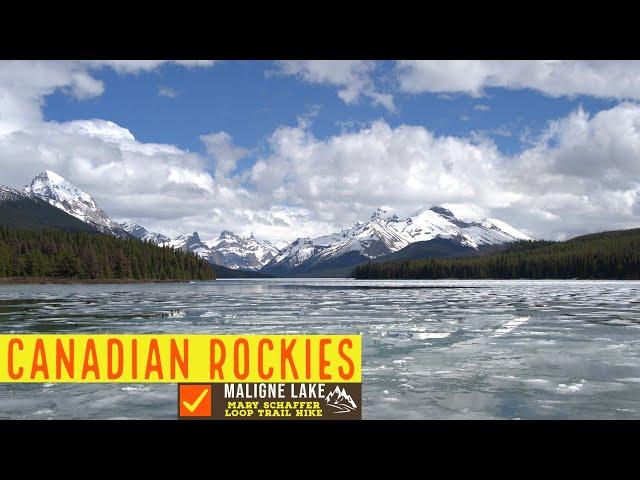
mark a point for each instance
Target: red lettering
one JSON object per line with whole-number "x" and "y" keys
{"x": 261, "y": 372}
{"x": 286, "y": 356}
{"x": 216, "y": 365}
{"x": 12, "y": 373}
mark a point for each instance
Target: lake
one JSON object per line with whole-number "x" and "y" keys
{"x": 431, "y": 349}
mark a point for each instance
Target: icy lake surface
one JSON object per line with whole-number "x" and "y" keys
{"x": 431, "y": 349}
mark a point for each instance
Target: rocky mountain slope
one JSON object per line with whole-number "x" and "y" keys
{"x": 386, "y": 233}
{"x": 141, "y": 233}
{"x": 22, "y": 210}
{"x": 55, "y": 190}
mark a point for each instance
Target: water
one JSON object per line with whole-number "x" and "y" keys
{"x": 431, "y": 349}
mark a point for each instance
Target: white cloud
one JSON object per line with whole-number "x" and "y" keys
{"x": 580, "y": 175}
{"x": 226, "y": 155}
{"x": 599, "y": 78}
{"x": 353, "y": 78}
{"x": 342, "y": 179}
{"x": 502, "y": 131}
{"x": 137, "y": 66}
{"x": 25, "y": 84}
{"x": 482, "y": 108}
{"x": 167, "y": 92}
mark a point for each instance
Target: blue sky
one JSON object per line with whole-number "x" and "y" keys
{"x": 244, "y": 99}
{"x": 304, "y": 148}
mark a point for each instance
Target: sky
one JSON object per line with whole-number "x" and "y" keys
{"x": 286, "y": 149}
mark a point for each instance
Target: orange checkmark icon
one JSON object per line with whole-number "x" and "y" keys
{"x": 195, "y": 400}
{"x": 192, "y": 406}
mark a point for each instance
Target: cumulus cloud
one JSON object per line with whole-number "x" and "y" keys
{"x": 221, "y": 148}
{"x": 482, "y": 108}
{"x": 167, "y": 92}
{"x": 599, "y": 78}
{"x": 353, "y": 78}
{"x": 345, "y": 177}
{"x": 581, "y": 174}
{"x": 137, "y": 66}
{"x": 25, "y": 84}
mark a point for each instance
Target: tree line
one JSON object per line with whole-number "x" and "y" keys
{"x": 83, "y": 255}
{"x": 607, "y": 255}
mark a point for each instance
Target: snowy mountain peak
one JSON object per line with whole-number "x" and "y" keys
{"x": 10, "y": 194}
{"x": 229, "y": 249}
{"x": 227, "y": 234}
{"x": 240, "y": 251}
{"x": 64, "y": 195}
{"x": 51, "y": 176}
{"x": 186, "y": 240}
{"x": 141, "y": 233}
{"x": 189, "y": 243}
{"x": 50, "y": 186}
{"x": 383, "y": 213}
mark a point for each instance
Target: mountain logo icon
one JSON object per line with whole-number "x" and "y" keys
{"x": 340, "y": 400}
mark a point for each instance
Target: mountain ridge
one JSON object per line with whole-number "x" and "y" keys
{"x": 386, "y": 233}
{"x": 19, "y": 209}
{"x": 64, "y": 195}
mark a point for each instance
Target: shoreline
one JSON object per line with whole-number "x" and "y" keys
{"x": 86, "y": 281}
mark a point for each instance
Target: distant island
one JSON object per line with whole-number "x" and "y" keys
{"x": 613, "y": 255}
{"x": 51, "y": 255}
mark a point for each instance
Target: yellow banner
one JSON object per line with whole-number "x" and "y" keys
{"x": 34, "y": 358}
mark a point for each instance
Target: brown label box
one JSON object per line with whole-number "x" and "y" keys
{"x": 285, "y": 401}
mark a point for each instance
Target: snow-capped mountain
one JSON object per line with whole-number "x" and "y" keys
{"x": 8, "y": 194}
{"x": 52, "y": 188}
{"x": 189, "y": 243}
{"x": 240, "y": 251}
{"x": 230, "y": 250}
{"x": 141, "y": 233}
{"x": 386, "y": 233}
{"x": 20, "y": 209}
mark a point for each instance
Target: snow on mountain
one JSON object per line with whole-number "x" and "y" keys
{"x": 141, "y": 233}
{"x": 240, "y": 251}
{"x": 189, "y": 243}
{"x": 386, "y": 233}
{"x": 52, "y": 188}
{"x": 10, "y": 194}
{"x": 229, "y": 249}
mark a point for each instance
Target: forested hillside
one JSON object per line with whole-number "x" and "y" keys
{"x": 607, "y": 255}
{"x": 25, "y": 212}
{"x": 81, "y": 255}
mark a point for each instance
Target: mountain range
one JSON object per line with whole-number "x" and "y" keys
{"x": 433, "y": 231}
{"x": 429, "y": 232}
